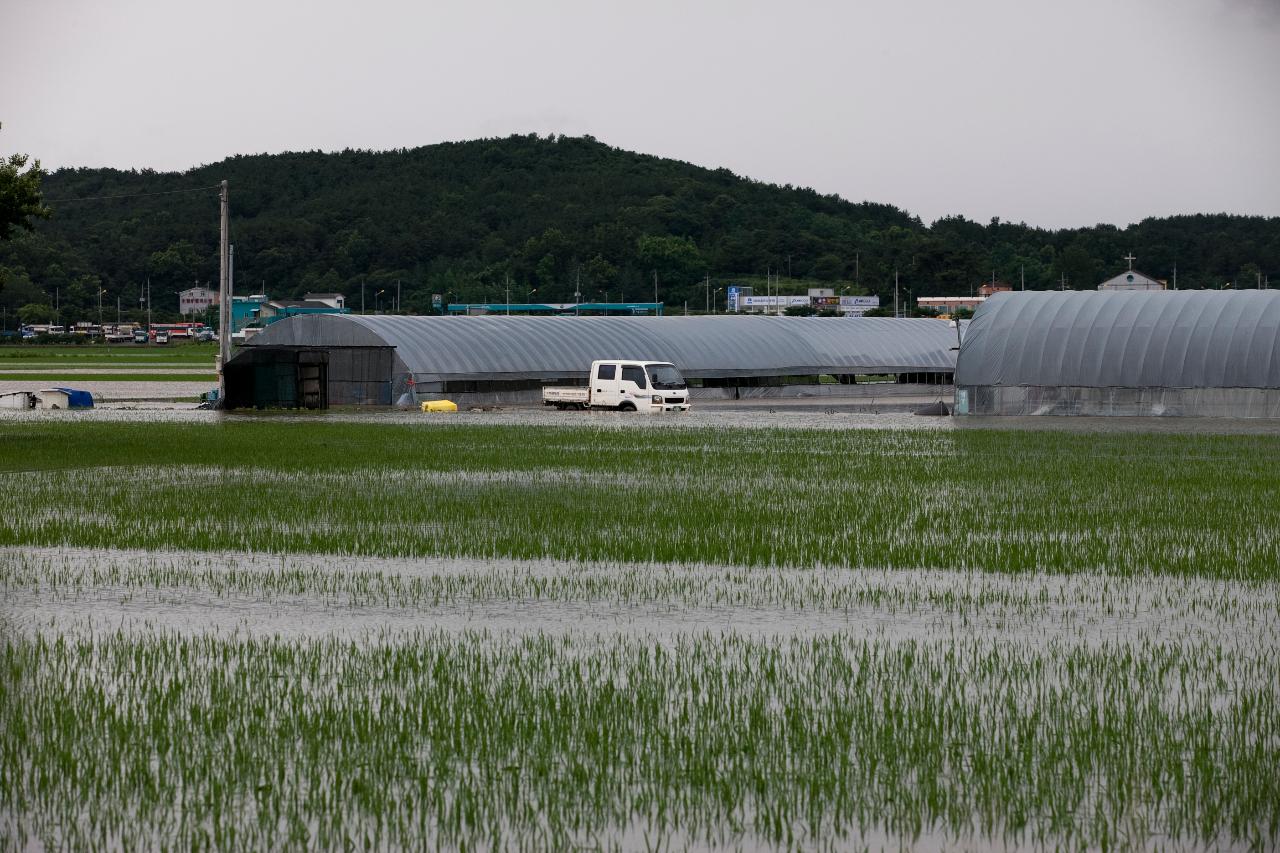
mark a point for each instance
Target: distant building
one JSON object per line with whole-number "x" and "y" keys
{"x": 195, "y": 300}
{"x": 743, "y": 300}
{"x": 333, "y": 300}
{"x": 278, "y": 309}
{"x": 246, "y": 311}
{"x": 1132, "y": 279}
{"x": 948, "y": 304}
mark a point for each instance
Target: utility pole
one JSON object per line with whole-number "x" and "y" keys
{"x": 117, "y": 310}
{"x": 361, "y": 294}
{"x": 506, "y": 280}
{"x": 1024, "y": 276}
{"x": 655, "y": 290}
{"x": 707, "y": 284}
{"x": 895, "y": 293}
{"x": 397, "y": 296}
{"x": 857, "y": 268}
{"x": 148, "y": 305}
{"x": 1175, "y": 275}
{"x": 224, "y": 295}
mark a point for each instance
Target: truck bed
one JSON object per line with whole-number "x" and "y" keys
{"x": 565, "y": 396}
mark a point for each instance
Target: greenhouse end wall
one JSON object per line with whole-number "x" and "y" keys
{"x": 1108, "y": 402}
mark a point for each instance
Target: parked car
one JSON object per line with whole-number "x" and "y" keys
{"x": 140, "y": 336}
{"x": 162, "y": 336}
{"x": 204, "y": 335}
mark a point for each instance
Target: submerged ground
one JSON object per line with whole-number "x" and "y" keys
{"x": 314, "y": 633}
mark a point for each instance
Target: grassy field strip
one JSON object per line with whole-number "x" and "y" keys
{"x": 94, "y": 366}
{"x": 107, "y": 376}
{"x": 235, "y": 736}
{"x": 180, "y": 350}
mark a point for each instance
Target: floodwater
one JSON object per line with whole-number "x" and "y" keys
{"x": 131, "y": 401}
{"x": 131, "y": 389}
{"x": 91, "y": 590}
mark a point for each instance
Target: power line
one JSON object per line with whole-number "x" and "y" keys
{"x": 129, "y": 195}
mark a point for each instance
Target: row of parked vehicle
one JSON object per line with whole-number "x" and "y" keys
{"x": 117, "y": 335}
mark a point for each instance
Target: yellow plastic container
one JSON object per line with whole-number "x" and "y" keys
{"x": 439, "y": 406}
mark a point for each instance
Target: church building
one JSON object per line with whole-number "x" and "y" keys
{"x": 1132, "y": 280}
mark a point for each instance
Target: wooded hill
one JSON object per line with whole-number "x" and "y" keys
{"x": 462, "y": 218}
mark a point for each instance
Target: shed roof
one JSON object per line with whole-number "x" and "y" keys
{"x": 1125, "y": 339}
{"x": 441, "y": 348}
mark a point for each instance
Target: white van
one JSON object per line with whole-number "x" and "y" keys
{"x": 628, "y": 386}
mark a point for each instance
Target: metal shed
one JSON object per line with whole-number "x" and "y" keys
{"x": 1194, "y": 353}
{"x": 377, "y": 359}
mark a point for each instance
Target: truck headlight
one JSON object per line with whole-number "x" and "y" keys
{"x": 657, "y": 398}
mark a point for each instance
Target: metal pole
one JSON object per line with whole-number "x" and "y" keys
{"x": 224, "y": 294}
{"x": 895, "y": 293}
{"x": 397, "y": 296}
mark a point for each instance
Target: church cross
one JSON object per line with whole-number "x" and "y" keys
{"x": 1130, "y": 258}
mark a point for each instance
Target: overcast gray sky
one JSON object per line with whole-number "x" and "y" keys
{"x": 1057, "y": 113}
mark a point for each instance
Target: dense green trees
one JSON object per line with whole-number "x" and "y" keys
{"x": 19, "y": 194}
{"x": 468, "y": 219}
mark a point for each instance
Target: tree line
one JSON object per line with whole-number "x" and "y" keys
{"x": 545, "y": 219}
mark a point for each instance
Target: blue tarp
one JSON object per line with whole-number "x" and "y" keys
{"x": 77, "y": 399}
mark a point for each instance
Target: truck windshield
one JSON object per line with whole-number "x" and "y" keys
{"x": 665, "y": 377}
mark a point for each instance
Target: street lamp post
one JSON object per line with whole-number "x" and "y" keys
{"x": 715, "y": 303}
{"x": 377, "y": 301}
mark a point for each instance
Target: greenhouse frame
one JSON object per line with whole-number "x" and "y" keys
{"x": 317, "y": 361}
{"x": 1167, "y": 353}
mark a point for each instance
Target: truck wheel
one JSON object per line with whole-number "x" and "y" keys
{"x": 627, "y": 407}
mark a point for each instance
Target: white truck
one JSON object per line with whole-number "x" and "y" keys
{"x": 628, "y": 386}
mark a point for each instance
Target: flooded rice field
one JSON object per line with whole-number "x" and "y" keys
{"x": 353, "y": 632}
{"x": 331, "y": 702}
{"x": 365, "y": 599}
{"x": 159, "y": 399}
